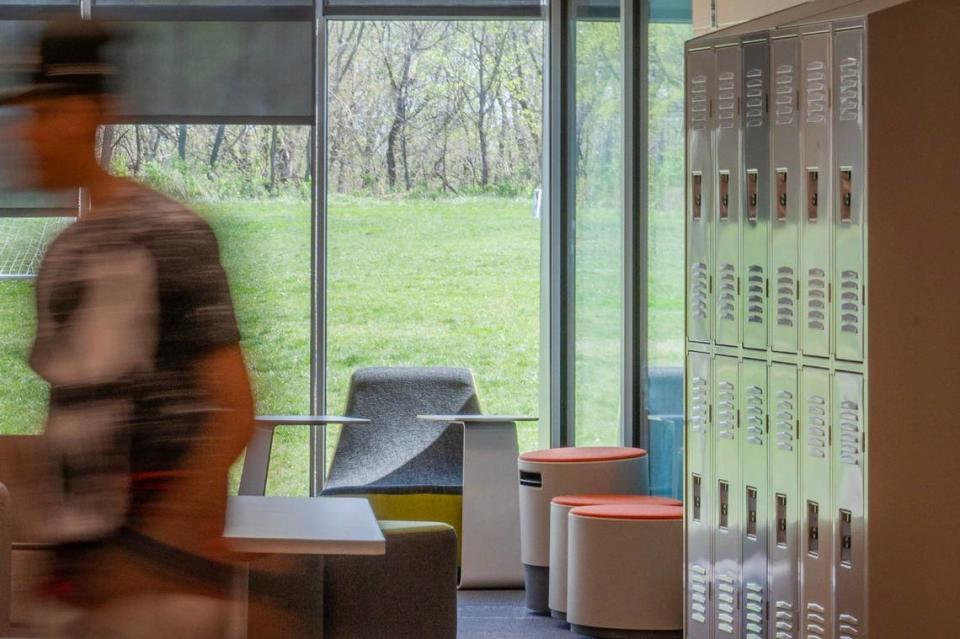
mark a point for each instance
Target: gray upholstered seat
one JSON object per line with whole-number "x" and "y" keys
{"x": 397, "y": 453}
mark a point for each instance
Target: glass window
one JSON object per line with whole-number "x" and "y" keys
{"x": 253, "y": 184}
{"x": 599, "y": 227}
{"x": 434, "y": 151}
{"x": 665, "y": 312}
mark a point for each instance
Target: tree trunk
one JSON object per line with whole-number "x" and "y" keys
{"x": 182, "y": 141}
{"x": 106, "y": 147}
{"x": 391, "y": 152}
{"x": 308, "y": 173}
{"x": 484, "y": 159}
{"x": 217, "y": 143}
{"x": 138, "y": 136}
{"x": 406, "y": 161}
{"x": 274, "y": 141}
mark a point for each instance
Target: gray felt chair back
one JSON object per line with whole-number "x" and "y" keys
{"x": 396, "y": 452}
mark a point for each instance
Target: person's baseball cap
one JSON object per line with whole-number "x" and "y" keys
{"x": 71, "y": 62}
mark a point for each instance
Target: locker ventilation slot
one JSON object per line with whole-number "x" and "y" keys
{"x": 848, "y": 627}
{"x": 698, "y": 593}
{"x": 816, "y": 625}
{"x": 786, "y": 90}
{"x": 756, "y": 416}
{"x": 851, "y": 434}
{"x": 817, "y": 429}
{"x": 699, "y": 289}
{"x": 849, "y": 90}
{"x": 727, "y": 100}
{"x": 786, "y": 296}
{"x": 785, "y": 420}
{"x": 699, "y": 106}
{"x": 754, "y": 99}
{"x": 816, "y": 299}
{"x": 727, "y": 411}
{"x": 755, "y": 611}
{"x": 699, "y": 403}
{"x": 783, "y": 622}
{"x": 850, "y": 302}
{"x": 816, "y": 85}
{"x": 726, "y": 603}
{"x": 756, "y": 294}
{"x": 727, "y": 301}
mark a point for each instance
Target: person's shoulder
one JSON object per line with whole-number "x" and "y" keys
{"x": 163, "y": 212}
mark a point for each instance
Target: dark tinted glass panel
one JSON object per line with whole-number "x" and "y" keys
{"x": 217, "y": 70}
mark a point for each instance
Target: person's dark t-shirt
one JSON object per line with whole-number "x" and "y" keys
{"x": 127, "y": 303}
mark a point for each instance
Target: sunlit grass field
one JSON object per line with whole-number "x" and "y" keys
{"x": 452, "y": 282}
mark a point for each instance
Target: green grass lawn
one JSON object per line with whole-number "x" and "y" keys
{"x": 411, "y": 282}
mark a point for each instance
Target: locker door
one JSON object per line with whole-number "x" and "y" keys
{"x": 815, "y": 183}
{"x": 849, "y": 217}
{"x": 756, "y": 190}
{"x": 753, "y": 442}
{"x": 784, "y": 502}
{"x": 699, "y": 506}
{"x": 728, "y": 202}
{"x": 700, "y": 70}
{"x": 848, "y": 477}
{"x": 785, "y": 195}
{"x": 728, "y": 522}
{"x": 816, "y": 508}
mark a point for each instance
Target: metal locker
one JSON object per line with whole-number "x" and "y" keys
{"x": 816, "y": 507}
{"x": 699, "y": 505}
{"x": 848, "y": 74}
{"x": 728, "y": 201}
{"x": 753, "y": 495}
{"x": 848, "y": 477}
{"x": 700, "y": 76}
{"x": 785, "y": 194}
{"x": 756, "y": 190}
{"x": 784, "y": 502}
{"x": 817, "y": 200}
{"x": 728, "y": 518}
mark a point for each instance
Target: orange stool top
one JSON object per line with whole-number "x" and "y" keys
{"x": 576, "y": 501}
{"x": 635, "y": 512}
{"x": 583, "y": 454}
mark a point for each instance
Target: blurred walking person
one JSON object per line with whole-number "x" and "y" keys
{"x": 150, "y": 402}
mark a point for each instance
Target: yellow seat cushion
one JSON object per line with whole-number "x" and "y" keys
{"x": 447, "y": 509}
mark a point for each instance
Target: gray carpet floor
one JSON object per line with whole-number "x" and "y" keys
{"x": 501, "y": 614}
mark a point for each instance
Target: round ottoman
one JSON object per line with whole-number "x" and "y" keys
{"x": 560, "y": 508}
{"x": 545, "y": 474}
{"x": 625, "y": 572}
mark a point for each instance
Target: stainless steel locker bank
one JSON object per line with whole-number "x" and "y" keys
{"x": 823, "y": 328}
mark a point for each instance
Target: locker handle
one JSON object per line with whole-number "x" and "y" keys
{"x": 724, "y": 185}
{"x": 697, "y": 496}
{"x": 781, "y": 520}
{"x": 813, "y": 528}
{"x": 813, "y": 194}
{"x": 782, "y": 195}
{"x": 753, "y": 179}
{"x": 846, "y": 195}
{"x": 846, "y": 538}
{"x": 724, "y": 502}
{"x": 697, "y": 196}
{"x": 751, "y": 512}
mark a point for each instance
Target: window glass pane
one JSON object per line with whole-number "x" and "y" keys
{"x": 666, "y": 255}
{"x": 599, "y": 232}
{"x": 216, "y": 70}
{"x": 434, "y": 174}
{"x": 252, "y": 183}
{"x": 435, "y": 3}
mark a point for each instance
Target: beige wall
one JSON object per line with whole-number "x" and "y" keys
{"x": 733, "y": 11}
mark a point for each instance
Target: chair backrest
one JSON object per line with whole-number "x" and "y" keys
{"x": 665, "y": 390}
{"x": 398, "y": 451}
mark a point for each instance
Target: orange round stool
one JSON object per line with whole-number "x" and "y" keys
{"x": 560, "y": 508}
{"x": 545, "y": 474}
{"x": 625, "y": 572}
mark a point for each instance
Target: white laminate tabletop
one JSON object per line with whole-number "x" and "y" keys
{"x": 486, "y": 419}
{"x": 303, "y": 525}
